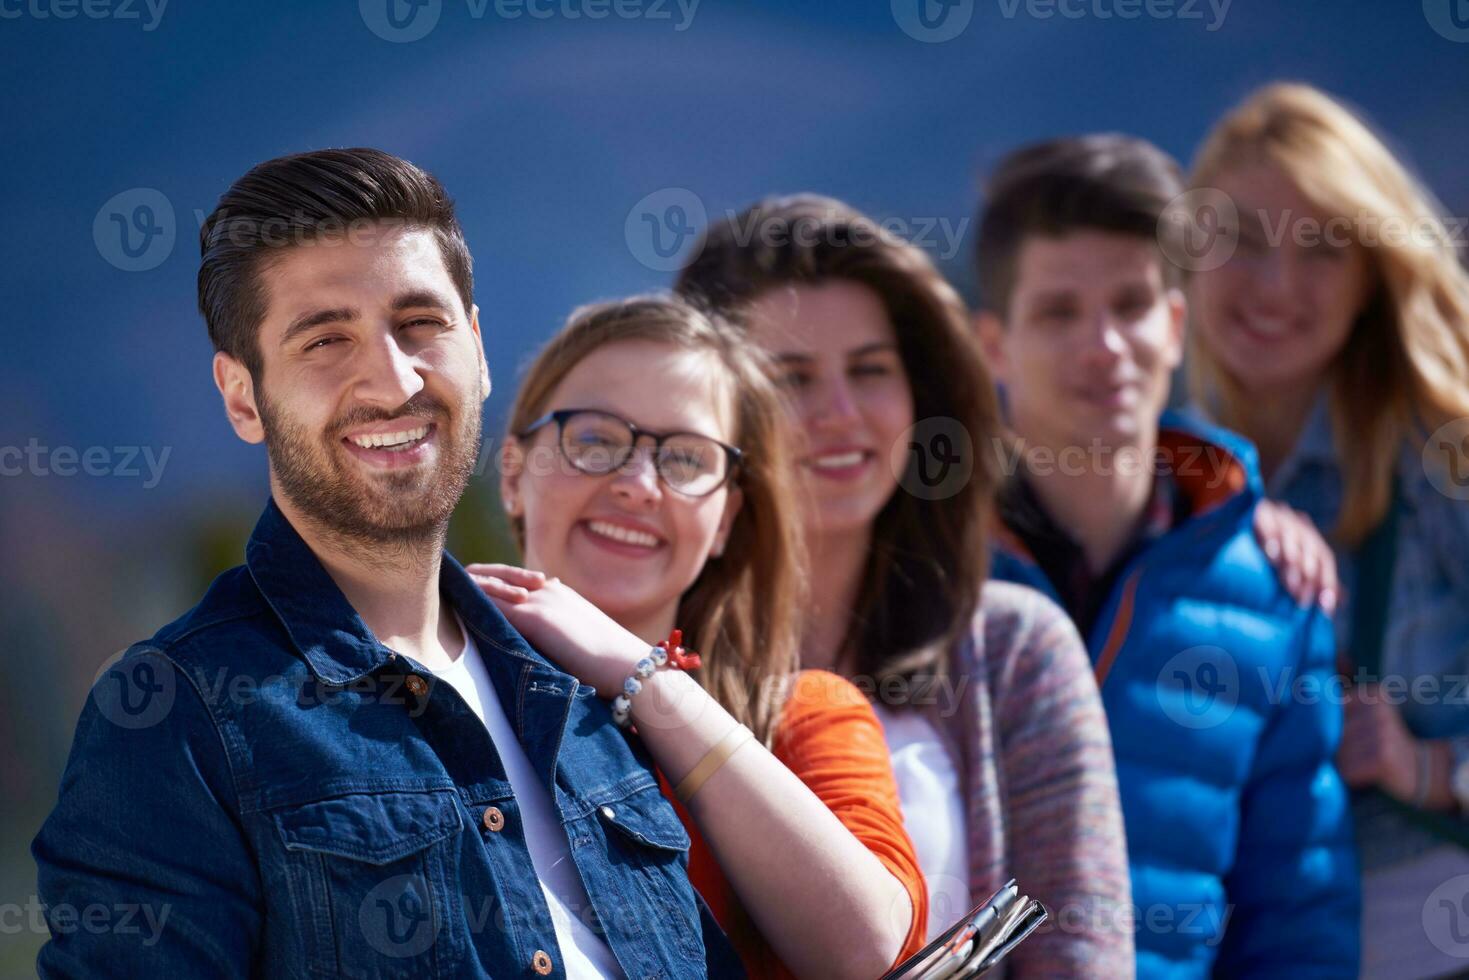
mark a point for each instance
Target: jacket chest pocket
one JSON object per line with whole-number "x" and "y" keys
{"x": 370, "y": 879}
{"x": 647, "y": 850}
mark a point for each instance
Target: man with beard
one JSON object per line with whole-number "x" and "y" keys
{"x": 277, "y": 783}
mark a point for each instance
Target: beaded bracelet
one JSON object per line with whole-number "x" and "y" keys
{"x": 669, "y": 652}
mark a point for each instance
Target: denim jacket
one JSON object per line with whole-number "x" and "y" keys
{"x": 265, "y": 790}
{"x": 1426, "y": 639}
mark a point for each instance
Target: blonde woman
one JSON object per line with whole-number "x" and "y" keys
{"x": 647, "y": 480}
{"x": 1336, "y": 337}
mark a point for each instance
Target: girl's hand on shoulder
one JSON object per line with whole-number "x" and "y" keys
{"x": 562, "y": 625}
{"x": 1301, "y": 556}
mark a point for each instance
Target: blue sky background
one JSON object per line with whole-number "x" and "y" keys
{"x": 548, "y": 131}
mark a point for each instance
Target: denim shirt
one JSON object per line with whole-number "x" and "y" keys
{"x": 1426, "y": 639}
{"x": 265, "y": 790}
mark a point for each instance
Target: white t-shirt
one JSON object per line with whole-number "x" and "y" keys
{"x": 583, "y": 952}
{"x": 933, "y": 811}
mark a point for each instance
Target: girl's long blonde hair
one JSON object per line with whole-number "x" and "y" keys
{"x": 1406, "y": 361}
{"x": 740, "y": 613}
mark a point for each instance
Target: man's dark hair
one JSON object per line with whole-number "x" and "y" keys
{"x": 320, "y": 198}
{"x": 1103, "y": 182}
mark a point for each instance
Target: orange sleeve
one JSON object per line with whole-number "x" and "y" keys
{"x": 830, "y": 737}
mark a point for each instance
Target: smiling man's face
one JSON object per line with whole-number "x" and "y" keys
{"x": 372, "y": 382}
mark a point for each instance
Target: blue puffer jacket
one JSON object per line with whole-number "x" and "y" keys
{"x": 1218, "y": 691}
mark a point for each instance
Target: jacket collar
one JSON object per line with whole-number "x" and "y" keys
{"x": 327, "y": 632}
{"x": 1209, "y": 465}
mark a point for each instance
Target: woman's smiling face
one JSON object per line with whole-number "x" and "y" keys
{"x": 849, "y": 394}
{"x": 1281, "y": 309}
{"x": 626, "y": 540}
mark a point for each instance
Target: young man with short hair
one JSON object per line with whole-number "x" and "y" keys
{"x": 276, "y": 779}
{"x": 1139, "y": 522}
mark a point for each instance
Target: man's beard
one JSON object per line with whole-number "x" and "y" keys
{"x": 385, "y": 516}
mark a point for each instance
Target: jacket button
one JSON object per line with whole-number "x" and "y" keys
{"x": 494, "y": 819}
{"x": 416, "y": 685}
{"x": 541, "y": 962}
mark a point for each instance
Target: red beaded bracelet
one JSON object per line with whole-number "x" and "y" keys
{"x": 668, "y": 652}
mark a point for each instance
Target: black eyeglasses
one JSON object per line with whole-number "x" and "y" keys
{"x": 598, "y": 443}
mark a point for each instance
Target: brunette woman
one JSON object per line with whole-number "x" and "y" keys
{"x": 986, "y": 694}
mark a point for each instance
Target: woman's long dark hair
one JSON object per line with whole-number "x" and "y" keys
{"x": 929, "y": 558}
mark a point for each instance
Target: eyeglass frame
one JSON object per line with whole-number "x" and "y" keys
{"x": 560, "y": 416}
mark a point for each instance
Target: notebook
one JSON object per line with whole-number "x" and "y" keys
{"x": 978, "y": 941}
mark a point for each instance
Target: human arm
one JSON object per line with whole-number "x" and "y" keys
{"x": 142, "y": 865}
{"x": 1293, "y": 893}
{"x": 1377, "y": 751}
{"x": 825, "y": 903}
